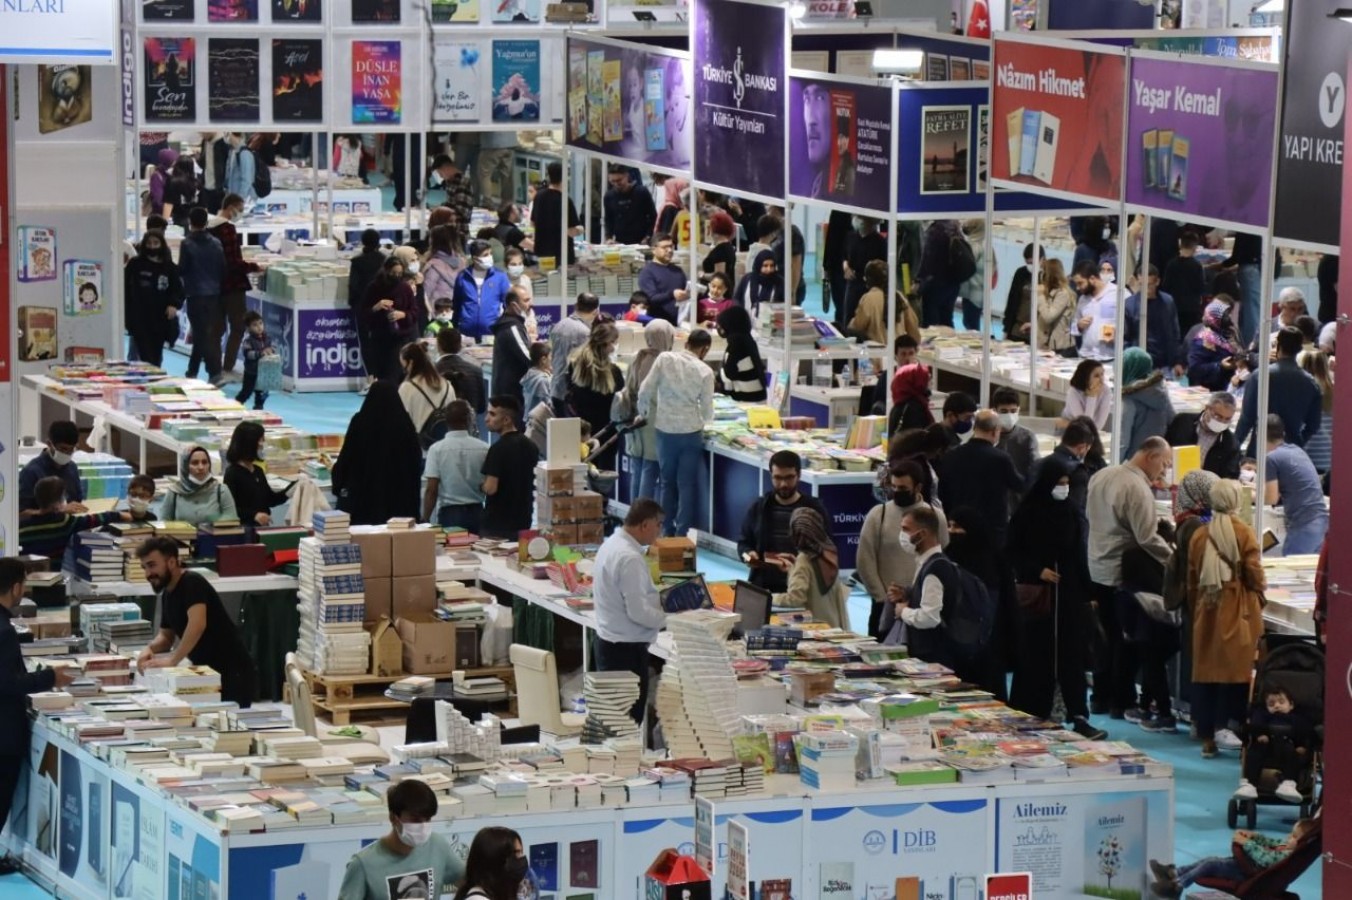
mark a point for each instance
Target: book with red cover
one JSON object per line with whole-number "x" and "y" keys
{"x": 242, "y": 561}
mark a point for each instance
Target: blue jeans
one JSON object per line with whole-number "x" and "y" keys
{"x": 643, "y": 477}
{"x": 465, "y": 516}
{"x": 971, "y": 316}
{"x": 1251, "y": 290}
{"x": 1306, "y": 539}
{"x": 684, "y": 481}
{"x": 1211, "y": 867}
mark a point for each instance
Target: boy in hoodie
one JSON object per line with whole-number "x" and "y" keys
{"x": 201, "y": 266}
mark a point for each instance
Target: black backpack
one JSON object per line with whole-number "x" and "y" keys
{"x": 434, "y": 427}
{"x": 961, "y": 259}
{"x": 262, "y": 183}
{"x": 969, "y": 618}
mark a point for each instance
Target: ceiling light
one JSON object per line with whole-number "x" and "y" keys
{"x": 902, "y": 61}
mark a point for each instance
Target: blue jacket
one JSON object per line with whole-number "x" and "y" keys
{"x": 1163, "y": 340}
{"x": 201, "y": 265}
{"x": 1204, "y": 364}
{"x": 239, "y": 173}
{"x": 1292, "y": 394}
{"x": 43, "y": 466}
{"x": 659, "y": 282}
{"x": 477, "y": 307}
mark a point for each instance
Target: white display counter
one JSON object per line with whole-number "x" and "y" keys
{"x": 93, "y": 831}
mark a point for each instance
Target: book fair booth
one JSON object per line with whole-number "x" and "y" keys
{"x": 798, "y": 762}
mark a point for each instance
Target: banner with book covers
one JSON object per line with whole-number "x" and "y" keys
{"x": 840, "y": 142}
{"x": 944, "y": 154}
{"x": 1056, "y": 118}
{"x": 630, "y": 101}
{"x": 1199, "y": 139}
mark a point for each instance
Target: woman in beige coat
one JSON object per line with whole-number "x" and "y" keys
{"x": 870, "y": 317}
{"x": 1225, "y": 603}
{"x": 1055, "y": 308}
{"x": 814, "y": 577}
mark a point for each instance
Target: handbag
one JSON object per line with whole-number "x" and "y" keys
{"x": 269, "y": 373}
{"x": 1034, "y": 600}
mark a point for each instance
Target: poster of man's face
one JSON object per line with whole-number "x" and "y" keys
{"x": 817, "y": 119}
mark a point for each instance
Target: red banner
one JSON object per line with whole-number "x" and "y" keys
{"x": 1010, "y": 886}
{"x": 1056, "y": 118}
{"x": 6, "y": 307}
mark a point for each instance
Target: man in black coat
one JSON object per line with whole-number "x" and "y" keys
{"x": 765, "y": 544}
{"x": 16, "y": 683}
{"x": 1210, "y": 430}
{"x": 980, "y": 475}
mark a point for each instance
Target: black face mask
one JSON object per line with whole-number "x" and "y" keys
{"x": 516, "y": 868}
{"x": 904, "y": 498}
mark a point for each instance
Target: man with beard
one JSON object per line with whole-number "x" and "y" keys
{"x": 765, "y": 545}
{"x": 817, "y": 124}
{"x": 192, "y": 614}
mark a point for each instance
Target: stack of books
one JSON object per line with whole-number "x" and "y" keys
{"x": 182, "y": 532}
{"x": 697, "y": 694}
{"x": 826, "y": 760}
{"x": 411, "y": 688}
{"x": 193, "y": 684}
{"x": 332, "y": 594}
{"x": 98, "y": 557}
{"x": 106, "y": 668}
{"x": 609, "y": 697}
{"x": 486, "y": 686}
{"x": 122, "y": 636}
{"x": 332, "y": 526}
{"x": 460, "y": 735}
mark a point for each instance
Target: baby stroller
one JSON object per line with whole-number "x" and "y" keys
{"x": 1296, "y": 665}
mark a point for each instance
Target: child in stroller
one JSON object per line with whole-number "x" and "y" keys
{"x": 1282, "y": 736}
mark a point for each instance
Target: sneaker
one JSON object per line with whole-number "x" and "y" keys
{"x": 1228, "y": 740}
{"x": 1288, "y": 791}
{"x": 1160, "y": 725}
{"x": 1167, "y": 889}
{"x": 1209, "y": 750}
{"x": 1086, "y": 729}
{"x": 8, "y": 865}
{"x": 1136, "y": 715}
{"x": 1163, "y": 872}
{"x": 1247, "y": 791}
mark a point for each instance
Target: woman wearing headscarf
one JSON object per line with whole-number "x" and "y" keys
{"x": 641, "y": 444}
{"x": 910, "y": 399}
{"x": 814, "y": 577}
{"x": 1047, "y": 545}
{"x": 1146, "y": 408}
{"x": 762, "y": 283}
{"x": 972, "y": 545}
{"x": 198, "y": 497}
{"x": 743, "y": 374}
{"x": 1225, "y": 603}
{"x": 593, "y": 381}
{"x": 412, "y": 260}
{"x": 673, "y": 204}
{"x": 378, "y": 472}
{"x": 391, "y": 319}
{"x": 153, "y": 293}
{"x": 1193, "y": 510}
{"x": 1212, "y": 352}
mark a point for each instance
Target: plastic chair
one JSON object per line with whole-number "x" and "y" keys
{"x": 537, "y": 692}
{"x": 303, "y": 711}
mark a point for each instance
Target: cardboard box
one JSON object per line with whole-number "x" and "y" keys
{"x": 411, "y": 595}
{"x": 376, "y": 554}
{"x": 589, "y": 506}
{"x": 674, "y": 554}
{"x": 378, "y": 602}
{"x": 563, "y": 534}
{"x": 676, "y": 877}
{"x": 428, "y": 644}
{"x": 387, "y": 650}
{"x": 556, "y": 481}
{"x": 414, "y": 552}
{"x": 556, "y": 510}
{"x": 591, "y": 533}
{"x": 804, "y": 686}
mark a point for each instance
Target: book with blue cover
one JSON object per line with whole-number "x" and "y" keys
{"x": 1028, "y": 143}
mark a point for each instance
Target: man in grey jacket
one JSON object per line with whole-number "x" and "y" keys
{"x": 1121, "y": 513}
{"x": 201, "y": 266}
{"x": 878, "y": 564}
{"x": 566, "y": 337}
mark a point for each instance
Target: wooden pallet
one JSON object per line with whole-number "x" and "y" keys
{"x": 342, "y": 696}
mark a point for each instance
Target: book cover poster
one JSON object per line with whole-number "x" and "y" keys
{"x": 959, "y": 69}
{"x": 459, "y": 81}
{"x": 37, "y": 341}
{"x": 836, "y": 881}
{"x": 376, "y": 83}
{"x": 527, "y": 11}
{"x": 544, "y": 862}
{"x": 844, "y": 148}
{"x": 297, "y": 80}
{"x": 983, "y": 147}
{"x": 455, "y": 11}
{"x": 232, "y": 80}
{"x": 385, "y": 12}
{"x": 1114, "y": 849}
{"x": 516, "y": 81}
{"x": 167, "y": 10}
{"x": 297, "y": 10}
{"x": 654, "y": 109}
{"x": 232, "y": 10}
{"x": 577, "y": 92}
{"x": 596, "y": 60}
{"x": 37, "y": 253}
{"x": 946, "y": 153}
{"x": 584, "y": 864}
{"x": 936, "y": 67}
{"x": 82, "y": 287}
{"x": 171, "y": 79}
{"x": 613, "y": 124}
{"x": 63, "y": 97}
{"x": 1178, "y": 171}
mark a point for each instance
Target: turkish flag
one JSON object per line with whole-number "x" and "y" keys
{"x": 979, "y": 22}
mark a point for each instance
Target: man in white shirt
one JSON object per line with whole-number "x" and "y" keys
{"x": 1096, "y": 319}
{"x": 678, "y": 398}
{"x": 628, "y": 607}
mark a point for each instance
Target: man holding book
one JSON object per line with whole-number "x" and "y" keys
{"x": 628, "y": 607}
{"x": 192, "y": 614}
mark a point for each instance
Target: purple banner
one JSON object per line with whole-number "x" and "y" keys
{"x": 632, "y": 102}
{"x": 739, "y": 96}
{"x": 840, "y": 143}
{"x": 1199, "y": 139}
{"x": 328, "y": 345}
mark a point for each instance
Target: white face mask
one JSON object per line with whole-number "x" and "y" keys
{"x": 1107, "y": 232}
{"x": 966, "y": 435}
{"x": 1107, "y": 277}
{"x": 906, "y": 546}
{"x": 444, "y": 317}
{"x": 1217, "y": 426}
{"x": 61, "y": 459}
{"x": 262, "y": 452}
{"x": 199, "y": 480}
{"x": 484, "y": 262}
{"x": 137, "y": 505}
{"x": 1061, "y": 492}
{"x": 1008, "y": 420}
{"x": 413, "y": 267}
{"x": 415, "y": 834}
{"x": 516, "y": 271}
{"x": 1247, "y": 477}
